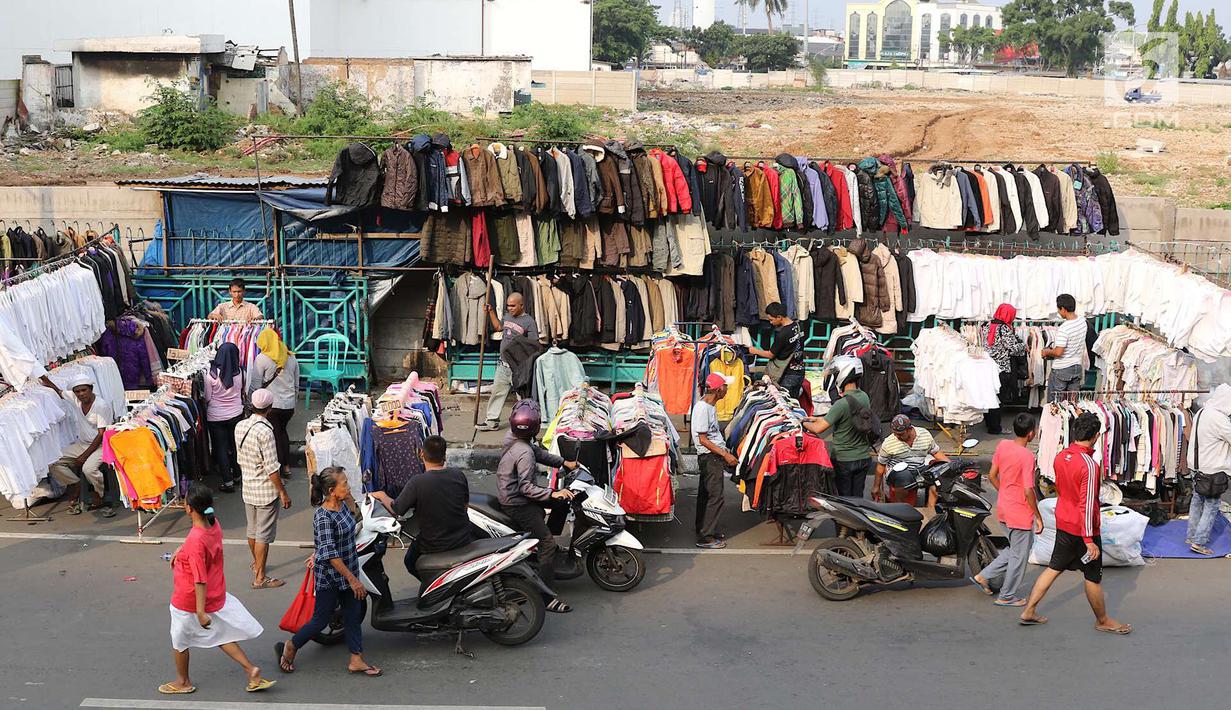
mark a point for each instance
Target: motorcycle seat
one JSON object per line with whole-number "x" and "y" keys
{"x": 898, "y": 511}
{"x": 490, "y": 506}
{"x": 440, "y": 561}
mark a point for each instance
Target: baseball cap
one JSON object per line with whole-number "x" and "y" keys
{"x": 899, "y": 424}
{"x": 714, "y": 380}
{"x": 262, "y": 399}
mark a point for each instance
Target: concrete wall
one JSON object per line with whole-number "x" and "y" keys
{"x": 453, "y": 83}
{"x": 724, "y": 78}
{"x": 617, "y": 89}
{"x": 38, "y": 84}
{"x": 125, "y": 82}
{"x": 1195, "y": 224}
{"x": 397, "y": 330}
{"x": 8, "y": 99}
{"x": 83, "y": 207}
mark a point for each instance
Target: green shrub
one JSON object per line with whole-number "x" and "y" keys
{"x": 1108, "y": 163}
{"x": 129, "y": 140}
{"x": 176, "y": 121}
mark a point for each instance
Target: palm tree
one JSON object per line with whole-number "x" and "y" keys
{"x": 772, "y": 7}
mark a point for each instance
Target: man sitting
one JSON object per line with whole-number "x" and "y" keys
{"x": 439, "y": 496}
{"x": 913, "y": 445}
{"x": 82, "y": 461}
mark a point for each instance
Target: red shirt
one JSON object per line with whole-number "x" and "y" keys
{"x": 1077, "y": 484}
{"x": 199, "y": 560}
{"x": 1016, "y": 466}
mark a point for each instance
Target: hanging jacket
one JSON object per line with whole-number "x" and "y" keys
{"x": 507, "y": 168}
{"x": 1106, "y": 201}
{"x": 401, "y": 190}
{"x": 827, "y": 283}
{"x": 886, "y": 194}
{"x": 581, "y": 186}
{"x": 747, "y": 312}
{"x": 880, "y": 383}
{"x": 818, "y": 216}
{"x": 483, "y": 174}
{"x": 612, "y": 201}
{"x": 556, "y": 372}
{"x": 355, "y": 178}
{"x": 758, "y": 204}
{"x": 829, "y": 195}
{"x": 846, "y": 216}
{"x": 419, "y": 147}
{"x": 1089, "y": 211}
{"x": 551, "y": 181}
{"x": 1025, "y": 198}
{"x": 796, "y": 165}
{"x": 876, "y": 298}
{"x": 644, "y": 172}
{"x": 736, "y": 196}
{"x": 594, "y": 184}
{"x": 445, "y": 239}
{"x": 901, "y": 218}
{"x": 1008, "y": 224}
{"x": 679, "y": 199}
{"x": 1051, "y": 194}
{"x": 715, "y": 190}
{"x": 693, "y": 178}
{"x": 630, "y": 184}
{"x": 438, "y": 173}
{"x": 869, "y": 205}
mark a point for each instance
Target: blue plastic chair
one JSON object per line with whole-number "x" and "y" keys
{"x": 331, "y": 370}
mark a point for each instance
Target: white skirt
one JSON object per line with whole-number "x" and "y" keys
{"x": 231, "y": 623}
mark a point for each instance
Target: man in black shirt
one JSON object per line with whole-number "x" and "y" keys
{"x": 786, "y": 354}
{"x": 440, "y": 497}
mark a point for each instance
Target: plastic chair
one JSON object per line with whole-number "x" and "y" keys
{"x": 331, "y": 371}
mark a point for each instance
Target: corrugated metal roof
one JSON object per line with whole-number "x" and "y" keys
{"x": 205, "y": 180}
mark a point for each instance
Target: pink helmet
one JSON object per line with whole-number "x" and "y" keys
{"x": 526, "y": 419}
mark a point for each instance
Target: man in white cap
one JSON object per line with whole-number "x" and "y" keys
{"x": 712, "y": 459}
{"x": 82, "y": 461}
{"x": 264, "y": 493}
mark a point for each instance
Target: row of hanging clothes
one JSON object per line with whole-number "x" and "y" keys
{"x": 880, "y": 372}
{"x": 780, "y": 464}
{"x": 647, "y": 456}
{"x": 242, "y": 333}
{"x": 21, "y": 249}
{"x": 959, "y": 380}
{"x": 332, "y": 438}
{"x": 581, "y": 430}
{"x": 1025, "y": 372}
{"x": 1132, "y": 358}
{"x": 678, "y": 364}
{"x": 389, "y": 443}
{"x": 1143, "y": 442}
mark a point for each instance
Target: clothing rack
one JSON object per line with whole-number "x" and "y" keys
{"x": 1104, "y": 394}
{"x": 904, "y": 160}
{"x": 54, "y": 263}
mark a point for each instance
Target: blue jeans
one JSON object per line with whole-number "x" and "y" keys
{"x": 1201, "y": 514}
{"x": 327, "y": 601}
{"x": 850, "y": 477}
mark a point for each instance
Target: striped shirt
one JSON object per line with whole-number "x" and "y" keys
{"x": 258, "y": 459}
{"x": 1071, "y": 335}
{"x": 894, "y": 450}
{"x": 1077, "y": 489}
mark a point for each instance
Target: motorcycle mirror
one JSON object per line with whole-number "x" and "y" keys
{"x": 901, "y": 466}
{"x": 970, "y": 443}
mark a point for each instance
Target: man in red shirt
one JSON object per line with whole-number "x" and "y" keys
{"x": 1078, "y": 545}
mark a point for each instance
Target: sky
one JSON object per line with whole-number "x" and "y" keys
{"x": 829, "y": 13}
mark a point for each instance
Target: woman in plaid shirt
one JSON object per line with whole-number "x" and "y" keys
{"x": 336, "y": 567}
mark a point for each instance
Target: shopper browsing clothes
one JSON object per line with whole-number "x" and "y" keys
{"x": 335, "y": 570}
{"x": 276, "y": 369}
{"x": 1209, "y": 458}
{"x": 516, "y": 329}
{"x": 786, "y": 352}
{"x": 1005, "y": 348}
{"x": 905, "y": 443}
{"x": 264, "y": 493}
{"x": 1012, "y": 474}
{"x": 224, "y": 409}
{"x": 80, "y": 466}
{"x": 236, "y": 309}
{"x": 713, "y": 458}
{"x": 1078, "y": 545}
{"x": 203, "y": 614}
{"x": 1068, "y": 349}
{"x": 854, "y": 425}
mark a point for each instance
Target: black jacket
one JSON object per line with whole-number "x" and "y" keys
{"x": 634, "y": 313}
{"x": 1008, "y": 225}
{"x": 583, "y": 310}
{"x": 869, "y": 204}
{"x": 606, "y": 309}
{"x": 1051, "y": 193}
{"x": 1025, "y": 199}
{"x": 693, "y": 178}
{"x": 355, "y": 178}
{"x": 827, "y": 282}
{"x": 830, "y": 195}
{"x": 880, "y": 383}
{"x": 1106, "y": 201}
{"x": 906, "y": 276}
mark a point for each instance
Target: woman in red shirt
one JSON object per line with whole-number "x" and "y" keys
{"x": 203, "y": 615}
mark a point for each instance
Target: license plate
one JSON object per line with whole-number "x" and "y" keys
{"x": 805, "y": 532}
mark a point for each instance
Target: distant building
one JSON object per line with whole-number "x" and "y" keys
{"x": 702, "y": 13}
{"x": 908, "y": 32}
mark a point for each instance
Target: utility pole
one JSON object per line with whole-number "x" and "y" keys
{"x": 805, "y": 31}
{"x": 298, "y": 65}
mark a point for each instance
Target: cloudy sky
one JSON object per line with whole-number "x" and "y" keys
{"x": 828, "y": 13}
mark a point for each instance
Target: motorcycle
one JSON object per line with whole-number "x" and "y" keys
{"x": 882, "y": 543}
{"x": 485, "y": 586}
{"x": 612, "y": 555}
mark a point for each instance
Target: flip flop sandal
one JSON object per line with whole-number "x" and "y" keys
{"x": 1121, "y": 630}
{"x": 986, "y": 590}
{"x": 107, "y": 512}
{"x": 1037, "y": 621}
{"x": 269, "y": 583}
{"x": 1010, "y": 602}
{"x": 370, "y": 671}
{"x": 261, "y": 684}
{"x": 558, "y": 607}
{"x": 74, "y": 509}
{"x": 169, "y": 689}
{"x": 283, "y": 665}
{"x": 1201, "y": 550}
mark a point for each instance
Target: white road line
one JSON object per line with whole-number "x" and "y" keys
{"x": 81, "y": 537}
{"x": 239, "y": 705}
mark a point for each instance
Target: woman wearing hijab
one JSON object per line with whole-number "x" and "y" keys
{"x": 277, "y": 370}
{"x": 224, "y": 408}
{"x": 1003, "y": 345}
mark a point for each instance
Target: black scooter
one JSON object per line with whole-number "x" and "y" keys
{"x": 882, "y": 543}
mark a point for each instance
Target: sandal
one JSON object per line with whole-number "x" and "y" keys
{"x": 558, "y": 607}
{"x": 986, "y": 589}
{"x": 370, "y": 671}
{"x": 1200, "y": 549}
{"x": 284, "y": 665}
{"x": 172, "y": 689}
{"x": 261, "y": 684}
{"x": 1121, "y": 630}
{"x": 107, "y": 511}
{"x": 74, "y": 508}
{"x": 268, "y": 583}
{"x": 1036, "y": 621}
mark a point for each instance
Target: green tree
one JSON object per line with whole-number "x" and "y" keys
{"x": 1172, "y": 25}
{"x": 623, "y": 29}
{"x": 1154, "y": 24}
{"x": 715, "y": 44}
{"x": 772, "y": 7}
{"x": 176, "y": 120}
{"x": 769, "y": 52}
{"x": 1068, "y": 33}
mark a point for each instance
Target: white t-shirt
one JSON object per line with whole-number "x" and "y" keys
{"x": 1071, "y": 335}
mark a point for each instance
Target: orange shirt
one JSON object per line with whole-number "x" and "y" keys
{"x": 143, "y": 462}
{"x": 676, "y": 368}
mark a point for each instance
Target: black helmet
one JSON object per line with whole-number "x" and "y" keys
{"x": 526, "y": 419}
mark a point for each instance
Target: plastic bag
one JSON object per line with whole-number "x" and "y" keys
{"x": 1122, "y": 530}
{"x": 938, "y": 538}
{"x": 302, "y": 606}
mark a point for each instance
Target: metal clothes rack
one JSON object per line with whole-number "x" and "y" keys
{"x": 49, "y": 265}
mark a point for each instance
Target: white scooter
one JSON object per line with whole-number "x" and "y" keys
{"x": 612, "y": 555}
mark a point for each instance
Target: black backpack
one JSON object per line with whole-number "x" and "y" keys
{"x": 866, "y": 423}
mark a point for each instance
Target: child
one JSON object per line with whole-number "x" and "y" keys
{"x": 1017, "y": 509}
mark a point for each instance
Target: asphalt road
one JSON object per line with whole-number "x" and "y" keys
{"x": 703, "y": 631}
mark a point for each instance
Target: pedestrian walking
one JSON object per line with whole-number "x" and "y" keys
{"x": 203, "y": 614}
{"x": 855, "y": 428}
{"x": 264, "y": 492}
{"x": 335, "y": 570}
{"x": 1068, "y": 349}
{"x": 224, "y": 410}
{"x": 276, "y": 369}
{"x": 1012, "y": 474}
{"x": 1209, "y": 458}
{"x": 1078, "y": 545}
{"x": 514, "y": 326}
{"x": 713, "y": 458}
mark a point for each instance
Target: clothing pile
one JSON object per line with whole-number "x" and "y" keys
{"x": 959, "y": 380}
{"x": 332, "y": 437}
{"x": 647, "y": 455}
{"x": 1130, "y": 358}
{"x": 581, "y": 430}
{"x": 243, "y": 334}
{"x": 160, "y": 444}
{"x": 1142, "y": 442}
{"x": 1010, "y": 199}
{"x": 780, "y": 464}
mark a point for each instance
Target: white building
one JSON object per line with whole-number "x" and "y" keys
{"x": 908, "y": 32}
{"x": 555, "y": 33}
{"x": 702, "y": 13}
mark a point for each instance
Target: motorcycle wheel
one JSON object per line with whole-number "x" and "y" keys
{"x": 981, "y": 554}
{"x": 335, "y": 632}
{"x": 834, "y": 586}
{"x": 532, "y": 612}
{"x": 616, "y": 568}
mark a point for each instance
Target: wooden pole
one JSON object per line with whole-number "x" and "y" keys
{"x": 478, "y": 385}
{"x": 298, "y": 65}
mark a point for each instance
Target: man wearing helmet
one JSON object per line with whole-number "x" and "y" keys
{"x": 853, "y": 424}
{"x": 523, "y": 498}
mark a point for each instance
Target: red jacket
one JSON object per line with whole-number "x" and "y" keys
{"x": 1077, "y": 488}
{"x": 846, "y": 218}
{"x": 678, "y": 197}
{"x": 775, "y": 192}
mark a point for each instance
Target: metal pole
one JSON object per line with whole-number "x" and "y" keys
{"x": 298, "y": 65}
{"x": 256, "y": 159}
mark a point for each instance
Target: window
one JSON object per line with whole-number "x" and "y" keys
{"x": 898, "y": 25}
{"x": 869, "y": 45}
{"x": 962, "y": 22}
{"x": 852, "y": 36}
{"x": 944, "y": 36}
{"x": 925, "y": 37}
{"x": 988, "y": 22}
{"x": 976, "y": 22}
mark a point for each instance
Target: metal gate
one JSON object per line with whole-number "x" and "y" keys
{"x": 64, "y": 86}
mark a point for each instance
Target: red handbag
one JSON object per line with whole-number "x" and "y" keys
{"x": 301, "y": 607}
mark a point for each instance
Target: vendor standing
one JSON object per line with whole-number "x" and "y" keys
{"x": 786, "y": 353}
{"x": 515, "y": 324}
{"x": 236, "y": 309}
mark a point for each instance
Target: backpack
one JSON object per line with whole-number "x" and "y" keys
{"x": 866, "y": 424}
